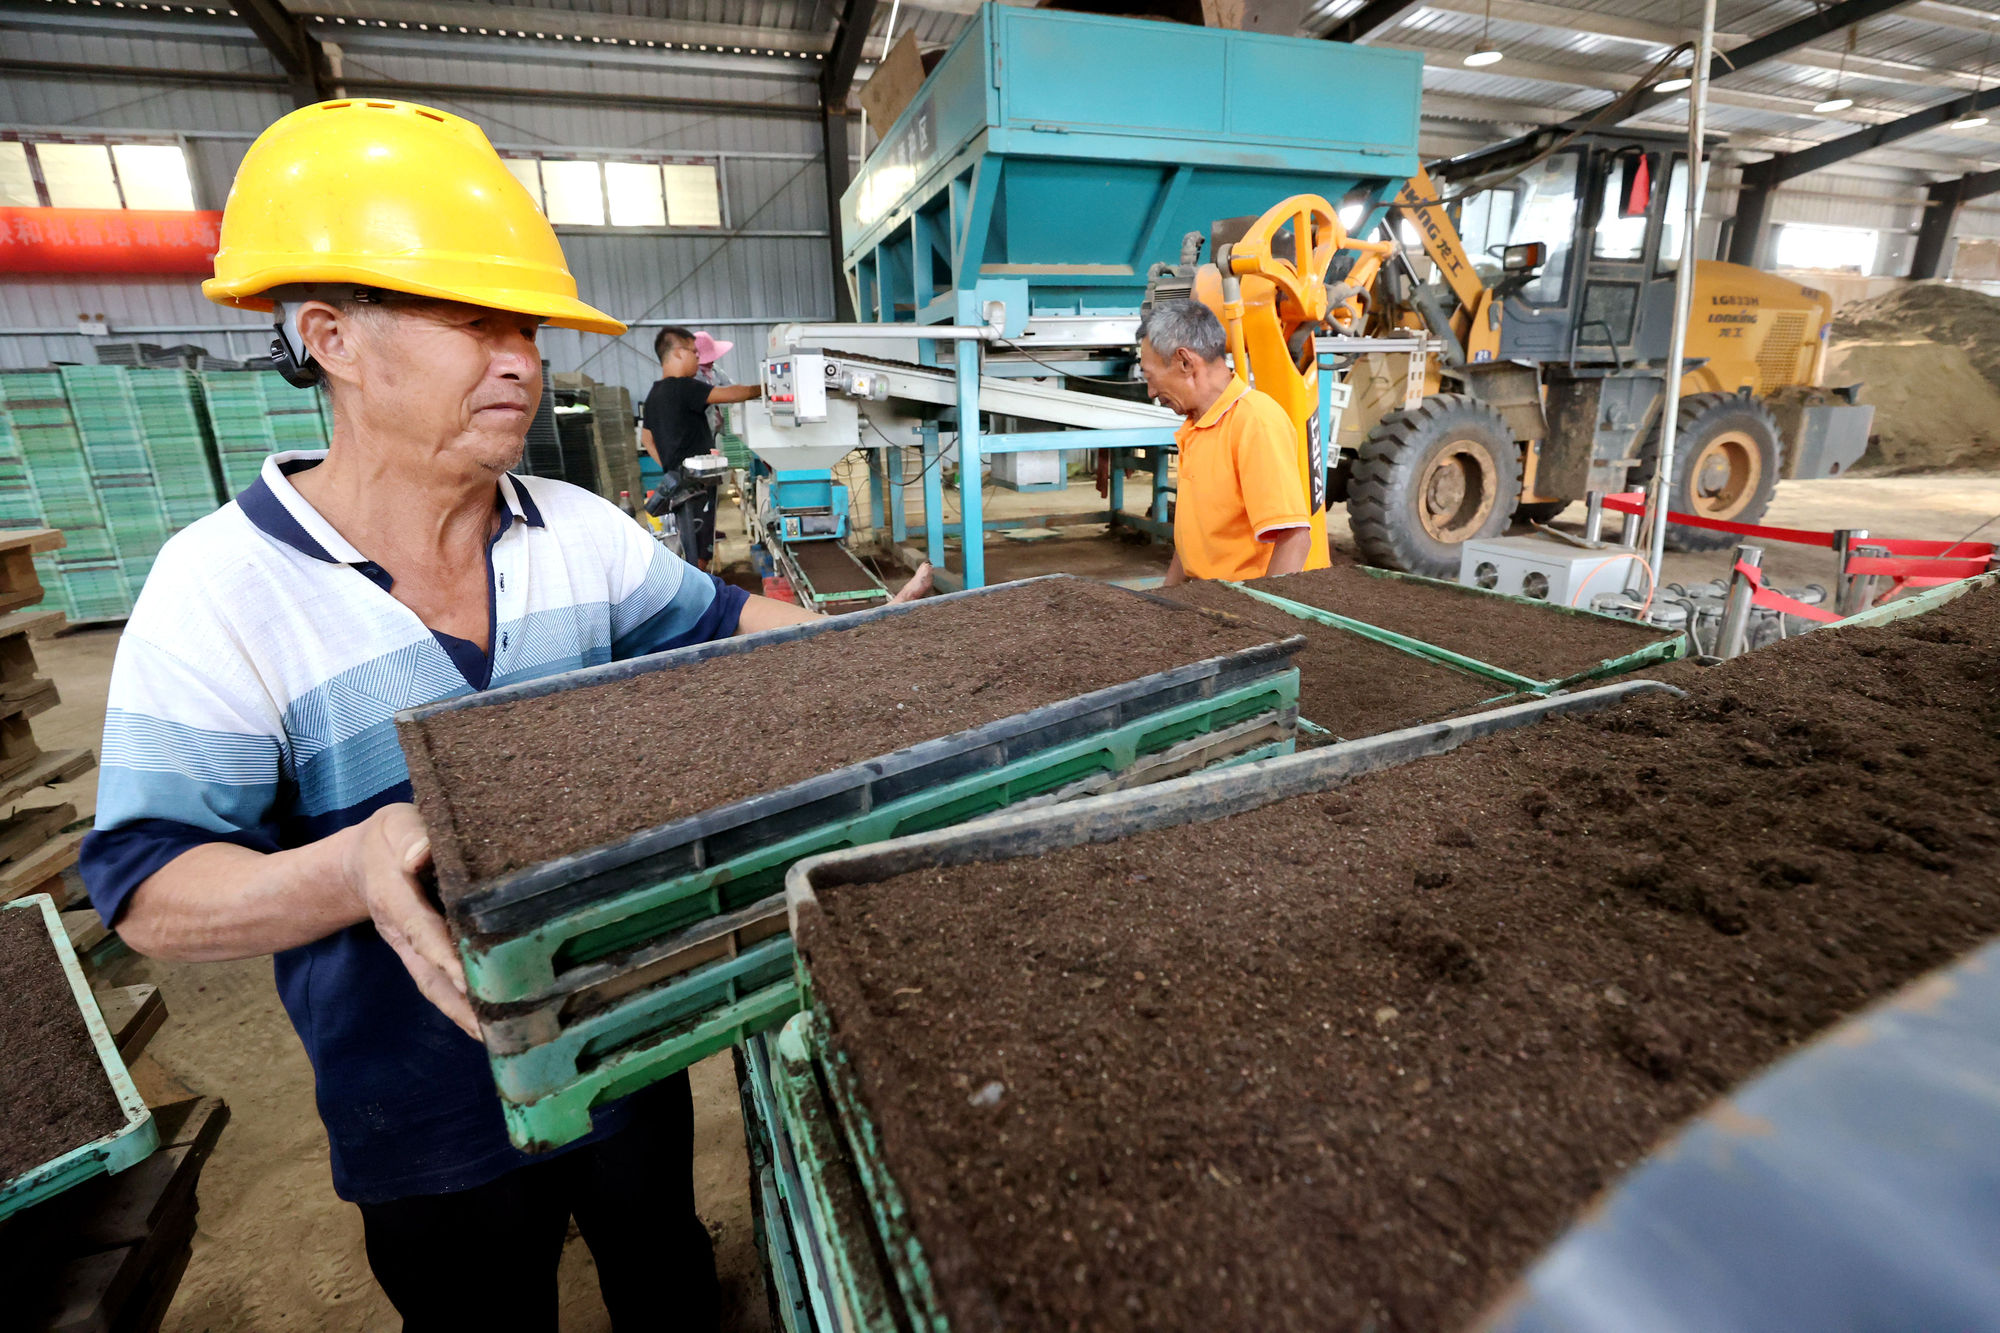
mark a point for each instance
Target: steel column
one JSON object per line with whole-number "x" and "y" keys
{"x": 835, "y": 83}
{"x": 965, "y": 353}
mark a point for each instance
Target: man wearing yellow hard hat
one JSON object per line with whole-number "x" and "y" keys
{"x": 253, "y": 797}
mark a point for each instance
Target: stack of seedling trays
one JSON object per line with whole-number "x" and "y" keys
{"x": 617, "y": 440}
{"x": 121, "y": 467}
{"x": 69, "y": 1111}
{"x": 254, "y": 414}
{"x": 178, "y": 443}
{"x": 605, "y": 948}
{"x": 1344, "y": 1039}
{"x": 85, "y": 580}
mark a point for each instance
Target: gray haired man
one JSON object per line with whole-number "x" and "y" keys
{"x": 1242, "y": 510}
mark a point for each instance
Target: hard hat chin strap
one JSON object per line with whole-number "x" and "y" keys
{"x": 289, "y": 354}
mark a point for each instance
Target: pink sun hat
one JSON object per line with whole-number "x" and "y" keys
{"x": 708, "y": 350}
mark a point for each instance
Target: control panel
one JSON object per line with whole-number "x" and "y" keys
{"x": 795, "y": 386}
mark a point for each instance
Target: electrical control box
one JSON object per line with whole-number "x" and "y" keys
{"x": 1548, "y": 570}
{"x": 795, "y": 386}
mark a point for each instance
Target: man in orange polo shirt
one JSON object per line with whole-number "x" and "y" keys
{"x": 1242, "y": 510}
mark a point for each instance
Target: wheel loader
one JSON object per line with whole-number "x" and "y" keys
{"x": 1549, "y": 298}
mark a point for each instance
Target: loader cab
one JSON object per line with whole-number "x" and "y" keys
{"x": 1606, "y": 210}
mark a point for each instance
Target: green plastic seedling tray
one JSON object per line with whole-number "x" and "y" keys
{"x": 1211, "y": 795}
{"x": 793, "y": 1252}
{"x": 1665, "y": 649}
{"x": 1915, "y": 604}
{"x": 535, "y": 933}
{"x": 726, "y": 978}
{"x": 114, "y": 1151}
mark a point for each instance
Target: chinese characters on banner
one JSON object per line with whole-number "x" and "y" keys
{"x": 107, "y": 240}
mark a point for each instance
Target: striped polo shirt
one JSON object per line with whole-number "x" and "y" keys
{"x": 253, "y": 701}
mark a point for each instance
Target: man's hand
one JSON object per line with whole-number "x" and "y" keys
{"x": 382, "y": 864}
{"x": 918, "y": 586}
{"x": 1176, "y": 574}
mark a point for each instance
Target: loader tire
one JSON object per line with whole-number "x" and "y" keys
{"x": 1429, "y": 479}
{"x": 1727, "y": 456}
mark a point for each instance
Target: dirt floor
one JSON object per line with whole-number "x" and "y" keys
{"x": 1419, "y": 1021}
{"x": 277, "y": 1250}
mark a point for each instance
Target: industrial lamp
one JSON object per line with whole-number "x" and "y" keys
{"x": 1488, "y": 53}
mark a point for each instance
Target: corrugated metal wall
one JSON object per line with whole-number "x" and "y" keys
{"x": 769, "y": 265}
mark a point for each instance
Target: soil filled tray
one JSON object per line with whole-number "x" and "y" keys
{"x": 1348, "y": 684}
{"x": 1542, "y": 642}
{"x": 536, "y": 776}
{"x": 1352, "y": 1059}
{"x": 65, "y": 1114}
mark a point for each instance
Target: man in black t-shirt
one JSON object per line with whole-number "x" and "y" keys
{"x": 674, "y": 422}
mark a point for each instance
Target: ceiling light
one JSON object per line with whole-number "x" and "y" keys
{"x": 1673, "y": 85}
{"x": 1485, "y": 55}
{"x": 1831, "y": 105}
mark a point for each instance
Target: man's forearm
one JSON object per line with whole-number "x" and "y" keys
{"x": 1176, "y": 575}
{"x": 1289, "y": 551}
{"x": 219, "y": 901}
{"x": 769, "y": 613}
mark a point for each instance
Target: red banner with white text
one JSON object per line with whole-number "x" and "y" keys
{"x": 107, "y": 240}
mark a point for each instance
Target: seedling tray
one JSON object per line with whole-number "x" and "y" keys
{"x": 1202, "y": 797}
{"x": 1665, "y": 649}
{"x": 713, "y": 984}
{"x": 112, "y": 1152}
{"x": 525, "y": 935}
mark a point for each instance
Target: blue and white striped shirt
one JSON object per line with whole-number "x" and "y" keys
{"x": 253, "y": 702}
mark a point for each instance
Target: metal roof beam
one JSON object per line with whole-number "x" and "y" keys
{"x": 451, "y": 15}
{"x": 1371, "y": 17}
{"x": 1820, "y": 23}
{"x": 296, "y": 50}
{"x": 1790, "y": 166}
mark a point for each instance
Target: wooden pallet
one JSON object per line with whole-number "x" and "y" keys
{"x": 47, "y": 862}
{"x": 20, "y": 585}
{"x": 107, "y": 1256}
{"x": 60, "y": 766}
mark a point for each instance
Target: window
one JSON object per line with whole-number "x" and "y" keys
{"x": 78, "y": 175}
{"x": 575, "y": 193}
{"x": 635, "y": 194}
{"x": 1674, "y": 218}
{"x": 1616, "y": 236}
{"x": 153, "y": 175}
{"x": 694, "y": 198}
{"x": 1540, "y": 204}
{"x": 528, "y": 171}
{"x": 1805, "y": 246}
{"x": 61, "y": 173}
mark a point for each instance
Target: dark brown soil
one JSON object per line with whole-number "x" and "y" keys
{"x": 1543, "y": 644}
{"x": 53, "y": 1093}
{"x": 830, "y": 569}
{"x": 1348, "y": 684}
{"x": 1352, "y": 1061}
{"x": 524, "y": 782}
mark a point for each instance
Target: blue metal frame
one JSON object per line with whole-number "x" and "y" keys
{"x": 1052, "y": 158}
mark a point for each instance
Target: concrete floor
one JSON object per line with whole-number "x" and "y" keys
{"x": 277, "y": 1250}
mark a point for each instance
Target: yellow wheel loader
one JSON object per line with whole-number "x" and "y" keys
{"x": 1545, "y": 299}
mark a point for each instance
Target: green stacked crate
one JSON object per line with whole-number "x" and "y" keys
{"x": 83, "y": 579}
{"x": 255, "y": 414}
{"x": 121, "y": 468}
{"x": 176, "y": 432}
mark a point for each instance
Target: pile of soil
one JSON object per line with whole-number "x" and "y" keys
{"x": 54, "y": 1096}
{"x": 1956, "y": 316}
{"x": 1528, "y": 640}
{"x": 1353, "y": 1060}
{"x": 514, "y": 784}
{"x": 1934, "y": 410}
{"x": 1348, "y": 684}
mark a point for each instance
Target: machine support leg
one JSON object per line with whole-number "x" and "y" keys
{"x": 969, "y": 507}
{"x": 933, "y": 497}
{"x": 876, "y": 516}
{"x": 1593, "y": 517}
{"x": 899, "y": 522}
{"x": 1630, "y": 524}
{"x": 1117, "y": 487}
{"x": 1736, "y": 616}
{"x": 1843, "y": 586}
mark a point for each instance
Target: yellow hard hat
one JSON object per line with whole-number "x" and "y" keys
{"x": 396, "y": 196}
